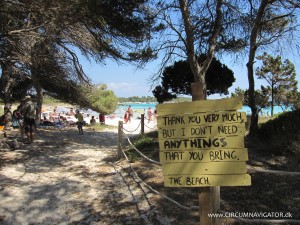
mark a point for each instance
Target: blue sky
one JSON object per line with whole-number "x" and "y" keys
{"x": 125, "y": 80}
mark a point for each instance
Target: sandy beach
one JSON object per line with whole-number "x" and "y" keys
{"x": 133, "y": 127}
{"x": 65, "y": 178}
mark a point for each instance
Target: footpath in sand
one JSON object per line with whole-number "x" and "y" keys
{"x": 66, "y": 178}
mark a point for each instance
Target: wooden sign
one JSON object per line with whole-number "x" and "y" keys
{"x": 202, "y": 118}
{"x": 188, "y": 130}
{"x": 202, "y": 143}
{"x": 207, "y": 180}
{"x": 203, "y": 140}
{"x": 227, "y": 104}
{"x": 204, "y": 168}
{"x": 221, "y": 155}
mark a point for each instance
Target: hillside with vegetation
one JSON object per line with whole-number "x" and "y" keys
{"x": 137, "y": 99}
{"x": 145, "y": 99}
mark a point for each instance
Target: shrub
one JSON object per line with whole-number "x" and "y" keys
{"x": 281, "y": 133}
{"x": 147, "y": 144}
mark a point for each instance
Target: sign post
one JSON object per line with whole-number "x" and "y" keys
{"x": 202, "y": 145}
{"x": 120, "y": 138}
{"x": 209, "y": 197}
{"x": 142, "y": 123}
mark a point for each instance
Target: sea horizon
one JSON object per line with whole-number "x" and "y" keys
{"x": 142, "y": 107}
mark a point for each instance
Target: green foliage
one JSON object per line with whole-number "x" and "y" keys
{"x": 144, "y": 142}
{"x": 48, "y": 100}
{"x": 100, "y": 98}
{"x": 96, "y": 29}
{"x": 145, "y": 99}
{"x": 147, "y": 144}
{"x": 281, "y": 79}
{"x": 281, "y": 134}
{"x": 144, "y": 55}
{"x": 261, "y": 98}
{"x": 137, "y": 99}
{"x": 177, "y": 79}
{"x": 101, "y": 127}
{"x": 297, "y": 104}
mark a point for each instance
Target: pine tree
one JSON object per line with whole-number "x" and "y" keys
{"x": 281, "y": 79}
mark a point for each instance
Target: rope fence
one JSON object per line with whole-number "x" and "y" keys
{"x": 122, "y": 152}
{"x": 141, "y": 125}
{"x": 148, "y": 186}
{"x": 140, "y": 153}
{"x": 151, "y": 128}
{"x": 132, "y": 131}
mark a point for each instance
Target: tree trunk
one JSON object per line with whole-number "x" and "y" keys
{"x": 200, "y": 71}
{"x": 252, "y": 102}
{"x": 7, "y": 82}
{"x": 192, "y": 59}
{"x": 272, "y": 100}
{"x": 39, "y": 102}
{"x": 206, "y": 194}
{"x": 253, "y": 48}
{"x": 39, "y": 91}
{"x": 209, "y": 197}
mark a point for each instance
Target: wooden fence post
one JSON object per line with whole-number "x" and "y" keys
{"x": 120, "y": 138}
{"x": 209, "y": 197}
{"x": 142, "y": 124}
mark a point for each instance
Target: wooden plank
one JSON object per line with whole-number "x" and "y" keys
{"x": 199, "y": 106}
{"x": 207, "y": 180}
{"x": 207, "y": 118}
{"x": 220, "y": 155}
{"x": 202, "y": 143}
{"x": 204, "y": 168}
{"x": 180, "y": 131}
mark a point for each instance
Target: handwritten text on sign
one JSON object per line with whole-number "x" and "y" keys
{"x": 233, "y": 155}
{"x": 203, "y": 118}
{"x": 207, "y": 180}
{"x": 201, "y": 130}
{"x": 203, "y": 148}
{"x": 202, "y": 143}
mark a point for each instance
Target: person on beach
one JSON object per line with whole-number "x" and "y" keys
{"x": 92, "y": 121}
{"x": 18, "y": 114}
{"x": 51, "y": 117}
{"x": 71, "y": 113}
{"x": 102, "y": 118}
{"x": 155, "y": 115}
{"x": 55, "y": 111}
{"x": 126, "y": 116}
{"x": 149, "y": 113}
{"x": 79, "y": 118}
{"x": 29, "y": 112}
{"x": 130, "y": 113}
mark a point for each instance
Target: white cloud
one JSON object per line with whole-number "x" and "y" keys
{"x": 122, "y": 85}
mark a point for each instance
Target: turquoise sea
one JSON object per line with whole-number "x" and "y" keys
{"x": 139, "y": 108}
